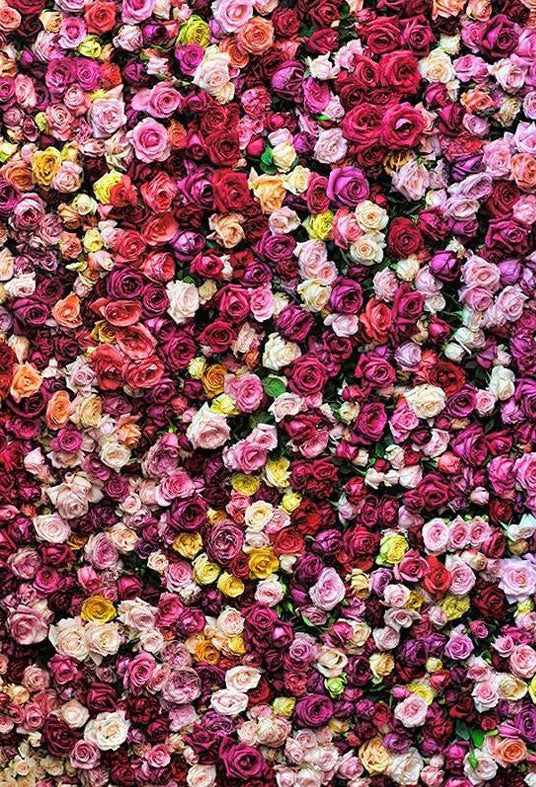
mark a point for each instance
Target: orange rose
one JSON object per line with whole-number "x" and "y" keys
{"x": 239, "y": 57}
{"x": 26, "y": 381}
{"x": 66, "y": 312}
{"x": 256, "y": 36}
{"x": 19, "y": 174}
{"x": 524, "y": 171}
{"x": 58, "y": 410}
{"x": 507, "y": 751}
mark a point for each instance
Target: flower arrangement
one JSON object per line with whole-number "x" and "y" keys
{"x": 268, "y": 393}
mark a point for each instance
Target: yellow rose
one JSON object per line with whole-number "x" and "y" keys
{"x": 230, "y": 586}
{"x": 284, "y": 706}
{"x": 45, "y": 164}
{"x": 194, "y": 31}
{"x": 97, "y": 609}
{"x": 392, "y": 549}
{"x": 284, "y": 156}
{"x": 374, "y": 756}
{"x": 422, "y": 690}
{"x": 214, "y": 516}
{"x": 319, "y": 227}
{"x": 103, "y": 186}
{"x": 92, "y": 240}
{"x": 381, "y": 664}
{"x": 269, "y": 190}
{"x": 455, "y": 607}
{"x": 276, "y": 472}
{"x": 7, "y": 149}
{"x": 188, "y": 544}
{"x": 245, "y": 484}
{"x": 290, "y": 501}
{"x": 90, "y": 411}
{"x": 224, "y": 404}
{"x": 415, "y": 600}
{"x": 90, "y": 47}
{"x": 236, "y": 644}
{"x": 103, "y": 332}
{"x": 360, "y": 583}
{"x": 262, "y": 562}
{"x": 205, "y": 651}
{"x": 433, "y": 665}
{"x": 196, "y": 368}
{"x": 205, "y": 571}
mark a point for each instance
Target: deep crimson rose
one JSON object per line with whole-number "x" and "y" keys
{"x": 218, "y": 336}
{"x": 307, "y": 375}
{"x": 231, "y": 192}
{"x": 401, "y": 127}
{"x": 382, "y": 35}
{"x": 362, "y": 125}
{"x": 404, "y": 237}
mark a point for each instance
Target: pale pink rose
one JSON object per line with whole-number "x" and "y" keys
{"x": 229, "y": 702}
{"x": 246, "y": 391}
{"x": 232, "y": 15}
{"x": 150, "y": 141}
{"x": 523, "y": 661}
{"x": 208, "y": 430}
{"x": 328, "y": 591}
{"x": 517, "y": 579}
{"x": 262, "y": 303}
{"x": 331, "y": 146}
{"x": 201, "y": 776}
{"x": 411, "y": 180}
{"x": 462, "y": 577}
{"x": 411, "y": 712}
{"x": 84, "y": 755}
{"x": 106, "y": 116}
{"x": 28, "y": 625}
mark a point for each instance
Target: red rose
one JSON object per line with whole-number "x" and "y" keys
{"x": 402, "y": 127}
{"x": 437, "y": 580}
{"x": 107, "y": 363}
{"x": 145, "y": 373}
{"x": 223, "y": 147}
{"x": 382, "y": 35}
{"x": 362, "y": 125}
{"x": 400, "y": 71}
{"x": 219, "y": 336}
{"x": 288, "y": 542}
{"x": 231, "y": 190}
{"x": 100, "y": 16}
{"x": 307, "y": 376}
{"x": 7, "y": 363}
{"x": 448, "y": 376}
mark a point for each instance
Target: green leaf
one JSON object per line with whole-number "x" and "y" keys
{"x": 274, "y": 386}
{"x": 478, "y": 737}
{"x": 462, "y": 730}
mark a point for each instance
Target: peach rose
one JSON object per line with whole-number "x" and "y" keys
{"x": 66, "y": 312}
{"x": 26, "y": 381}
{"x": 257, "y": 35}
{"x": 58, "y": 410}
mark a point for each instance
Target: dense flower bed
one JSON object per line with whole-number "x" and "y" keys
{"x": 268, "y": 383}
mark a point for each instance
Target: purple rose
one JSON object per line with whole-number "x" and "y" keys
{"x": 347, "y": 186}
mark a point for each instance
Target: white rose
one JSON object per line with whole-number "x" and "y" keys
{"x": 229, "y": 702}
{"x": 278, "y": 353}
{"x": 313, "y": 294}
{"x": 426, "y": 401}
{"x": 502, "y": 382}
{"x": 108, "y": 731}
{"x": 201, "y": 776}
{"x": 114, "y": 454}
{"x": 102, "y": 639}
{"x": 183, "y": 301}
{"x": 68, "y": 638}
{"x": 74, "y": 714}
{"x": 51, "y": 528}
{"x": 371, "y": 217}
{"x": 242, "y": 678}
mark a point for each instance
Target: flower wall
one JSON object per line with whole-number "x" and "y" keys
{"x": 268, "y": 393}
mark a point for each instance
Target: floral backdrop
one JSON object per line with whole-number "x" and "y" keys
{"x": 268, "y": 393}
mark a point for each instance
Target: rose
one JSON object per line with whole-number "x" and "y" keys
{"x": 401, "y": 127}
{"x": 27, "y": 624}
{"x": 307, "y": 375}
{"x": 328, "y": 591}
{"x": 314, "y": 711}
{"x": 108, "y": 731}
{"x": 347, "y": 186}
{"x": 240, "y": 761}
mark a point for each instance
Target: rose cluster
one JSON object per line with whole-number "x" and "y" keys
{"x": 267, "y": 393}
